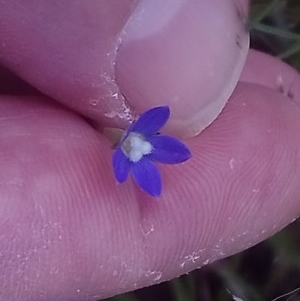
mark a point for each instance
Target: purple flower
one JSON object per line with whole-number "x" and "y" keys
{"x": 141, "y": 146}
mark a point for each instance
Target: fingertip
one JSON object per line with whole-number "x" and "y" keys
{"x": 190, "y": 58}
{"x": 68, "y": 52}
{"x": 244, "y": 6}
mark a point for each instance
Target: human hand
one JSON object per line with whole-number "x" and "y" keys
{"x": 68, "y": 231}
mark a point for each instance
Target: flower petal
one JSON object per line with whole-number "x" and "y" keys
{"x": 147, "y": 176}
{"x": 167, "y": 149}
{"x": 121, "y": 165}
{"x": 151, "y": 121}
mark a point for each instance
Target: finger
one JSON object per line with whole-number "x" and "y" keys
{"x": 186, "y": 54}
{"x": 244, "y": 6}
{"x": 69, "y": 232}
{"x": 68, "y": 51}
{"x": 190, "y": 58}
{"x": 269, "y": 71}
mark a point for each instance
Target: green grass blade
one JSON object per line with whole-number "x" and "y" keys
{"x": 294, "y": 49}
{"x": 260, "y": 14}
{"x": 277, "y": 32}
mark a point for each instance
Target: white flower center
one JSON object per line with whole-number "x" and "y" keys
{"x": 135, "y": 147}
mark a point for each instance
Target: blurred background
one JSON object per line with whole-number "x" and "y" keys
{"x": 271, "y": 270}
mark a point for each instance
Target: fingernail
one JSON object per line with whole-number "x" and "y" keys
{"x": 186, "y": 54}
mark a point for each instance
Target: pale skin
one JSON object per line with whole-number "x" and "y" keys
{"x": 68, "y": 231}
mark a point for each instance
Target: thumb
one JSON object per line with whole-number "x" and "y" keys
{"x": 67, "y": 51}
{"x": 185, "y": 54}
